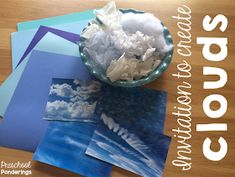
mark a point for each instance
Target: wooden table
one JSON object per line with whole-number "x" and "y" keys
{"x": 14, "y": 11}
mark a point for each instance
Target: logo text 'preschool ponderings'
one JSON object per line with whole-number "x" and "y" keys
{"x": 15, "y": 168}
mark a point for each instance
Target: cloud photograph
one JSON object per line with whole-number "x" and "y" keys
{"x": 72, "y": 100}
{"x": 64, "y": 145}
{"x": 129, "y": 133}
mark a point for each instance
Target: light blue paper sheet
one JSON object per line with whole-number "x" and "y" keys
{"x": 21, "y": 40}
{"x": 50, "y": 42}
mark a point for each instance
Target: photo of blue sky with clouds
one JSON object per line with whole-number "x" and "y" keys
{"x": 72, "y": 100}
{"x": 94, "y": 125}
{"x": 130, "y": 131}
{"x": 71, "y": 104}
{"x": 64, "y": 146}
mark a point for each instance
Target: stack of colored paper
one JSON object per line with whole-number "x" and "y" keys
{"x": 83, "y": 126}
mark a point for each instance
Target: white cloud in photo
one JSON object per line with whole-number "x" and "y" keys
{"x": 82, "y": 92}
{"x": 140, "y": 148}
{"x": 62, "y": 90}
{"x": 81, "y": 109}
{"x": 75, "y": 81}
{"x": 80, "y": 102}
{"x": 64, "y": 110}
{"x": 86, "y": 91}
{"x": 74, "y": 142}
{"x": 56, "y": 107}
{"x": 130, "y": 138}
{"x": 91, "y": 87}
{"x": 80, "y": 96}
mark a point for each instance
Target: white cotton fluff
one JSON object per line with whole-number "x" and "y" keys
{"x": 149, "y": 25}
{"x": 127, "y": 46}
{"x": 145, "y": 22}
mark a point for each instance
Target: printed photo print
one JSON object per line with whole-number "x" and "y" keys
{"x": 64, "y": 145}
{"x": 129, "y": 133}
{"x": 72, "y": 100}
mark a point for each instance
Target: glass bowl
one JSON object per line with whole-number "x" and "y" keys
{"x": 100, "y": 73}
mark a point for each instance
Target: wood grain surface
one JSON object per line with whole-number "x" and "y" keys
{"x": 14, "y": 11}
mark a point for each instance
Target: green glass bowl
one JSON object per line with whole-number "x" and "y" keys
{"x": 100, "y": 73}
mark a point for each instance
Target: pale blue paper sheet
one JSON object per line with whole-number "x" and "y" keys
{"x": 49, "y": 42}
{"x": 21, "y": 40}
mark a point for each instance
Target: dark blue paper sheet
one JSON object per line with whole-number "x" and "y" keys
{"x": 23, "y": 125}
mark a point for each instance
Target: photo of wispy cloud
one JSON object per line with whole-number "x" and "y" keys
{"x": 64, "y": 145}
{"x": 72, "y": 100}
{"x": 129, "y": 133}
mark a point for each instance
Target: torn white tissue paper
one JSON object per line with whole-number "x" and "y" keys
{"x": 89, "y": 32}
{"x": 109, "y": 15}
{"x": 130, "y": 68}
{"x": 102, "y": 49}
{"x": 148, "y": 53}
{"x": 127, "y": 46}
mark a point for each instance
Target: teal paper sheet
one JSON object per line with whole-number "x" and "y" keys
{"x": 68, "y": 18}
{"x": 49, "y": 42}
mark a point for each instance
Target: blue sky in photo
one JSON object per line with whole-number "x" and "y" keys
{"x": 130, "y": 131}
{"x": 72, "y": 100}
{"x": 64, "y": 145}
